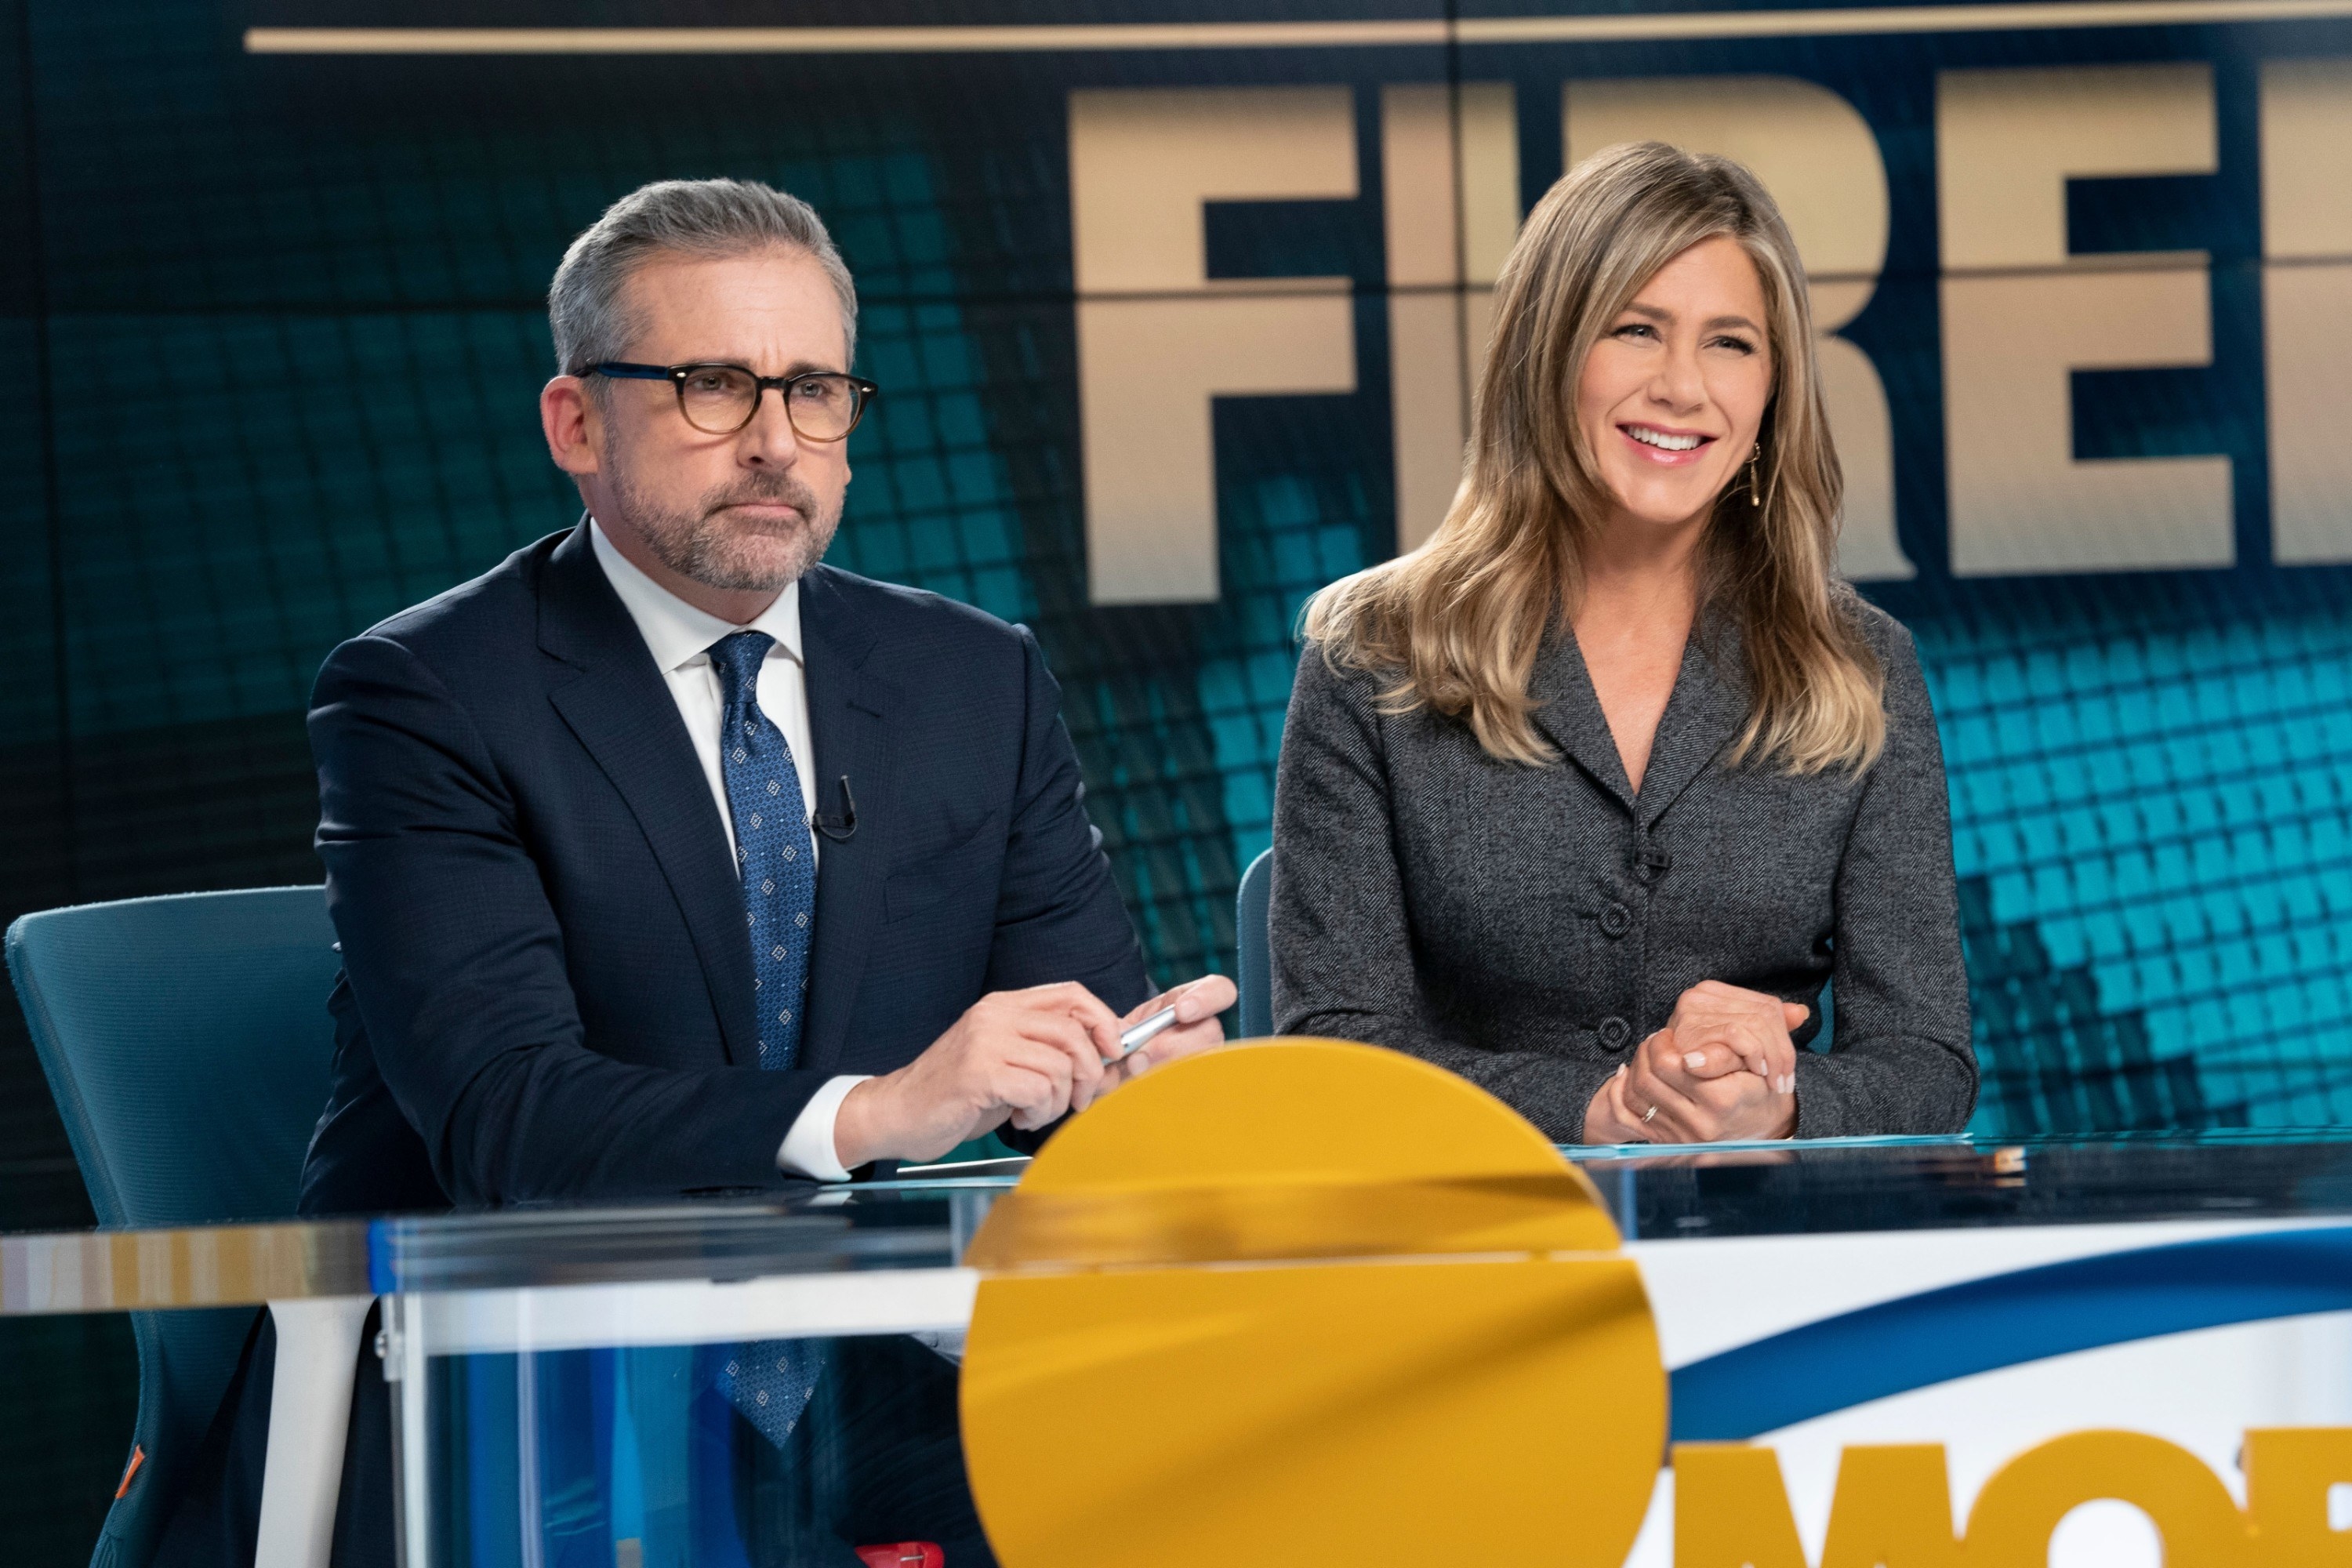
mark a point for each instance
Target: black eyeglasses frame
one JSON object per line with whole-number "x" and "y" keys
{"x": 676, "y": 375}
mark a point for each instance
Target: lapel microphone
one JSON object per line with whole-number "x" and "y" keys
{"x": 838, "y": 828}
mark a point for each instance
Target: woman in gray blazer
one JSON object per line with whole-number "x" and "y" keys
{"x": 1587, "y": 798}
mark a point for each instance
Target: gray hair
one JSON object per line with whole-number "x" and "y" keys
{"x": 586, "y": 307}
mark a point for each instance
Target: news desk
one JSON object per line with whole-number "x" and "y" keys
{"x": 1878, "y": 1348}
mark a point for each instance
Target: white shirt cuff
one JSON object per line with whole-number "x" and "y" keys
{"x": 808, "y": 1147}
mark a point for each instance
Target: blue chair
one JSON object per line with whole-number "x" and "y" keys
{"x": 188, "y": 1045}
{"x": 1256, "y": 965}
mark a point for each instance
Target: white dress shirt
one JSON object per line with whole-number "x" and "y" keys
{"x": 680, "y": 637}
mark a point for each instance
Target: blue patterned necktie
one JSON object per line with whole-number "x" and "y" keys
{"x": 772, "y": 848}
{"x": 771, "y": 1380}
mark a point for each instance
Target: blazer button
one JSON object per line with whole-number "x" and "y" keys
{"x": 1616, "y": 920}
{"x": 1615, "y": 1033}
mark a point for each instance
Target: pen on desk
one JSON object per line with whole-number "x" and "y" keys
{"x": 1134, "y": 1038}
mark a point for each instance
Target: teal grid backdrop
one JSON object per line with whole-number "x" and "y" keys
{"x": 278, "y": 327}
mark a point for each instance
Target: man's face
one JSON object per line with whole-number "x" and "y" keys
{"x": 755, "y": 510}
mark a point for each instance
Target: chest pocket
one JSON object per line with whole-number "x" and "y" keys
{"x": 926, "y": 878}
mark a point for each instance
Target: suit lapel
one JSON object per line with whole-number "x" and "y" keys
{"x": 615, "y": 700}
{"x": 1568, "y": 711}
{"x": 1708, "y": 707}
{"x": 846, "y": 708}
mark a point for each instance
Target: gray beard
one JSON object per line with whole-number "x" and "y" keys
{"x": 703, "y": 547}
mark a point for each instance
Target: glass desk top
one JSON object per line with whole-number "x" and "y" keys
{"x": 923, "y": 1219}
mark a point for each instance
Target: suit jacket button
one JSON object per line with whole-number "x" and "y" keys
{"x": 1616, "y": 920}
{"x": 1615, "y": 1033}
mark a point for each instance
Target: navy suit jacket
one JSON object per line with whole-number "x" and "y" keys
{"x": 547, "y": 978}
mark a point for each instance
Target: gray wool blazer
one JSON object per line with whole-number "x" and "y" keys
{"x": 1526, "y": 927}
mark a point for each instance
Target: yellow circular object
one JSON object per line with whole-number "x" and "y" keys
{"x": 1307, "y": 1302}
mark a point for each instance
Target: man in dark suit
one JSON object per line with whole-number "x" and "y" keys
{"x": 666, "y": 859}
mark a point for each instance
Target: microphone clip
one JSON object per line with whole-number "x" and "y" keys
{"x": 838, "y": 828}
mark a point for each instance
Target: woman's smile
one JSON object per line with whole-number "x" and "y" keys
{"x": 1665, "y": 445}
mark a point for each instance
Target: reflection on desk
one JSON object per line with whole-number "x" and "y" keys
{"x": 925, "y": 1219}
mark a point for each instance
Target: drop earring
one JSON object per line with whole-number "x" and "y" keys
{"x": 1755, "y": 495}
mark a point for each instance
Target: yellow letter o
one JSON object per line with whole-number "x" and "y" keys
{"x": 2011, "y": 1525}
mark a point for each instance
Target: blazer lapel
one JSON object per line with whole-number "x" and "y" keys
{"x": 1708, "y": 708}
{"x": 846, "y": 708}
{"x": 619, "y": 706}
{"x": 1568, "y": 710}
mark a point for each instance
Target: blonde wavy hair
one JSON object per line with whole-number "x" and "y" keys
{"x": 1459, "y": 622}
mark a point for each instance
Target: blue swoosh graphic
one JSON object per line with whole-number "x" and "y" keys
{"x": 1984, "y": 1324}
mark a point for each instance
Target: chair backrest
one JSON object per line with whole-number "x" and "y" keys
{"x": 187, "y": 1042}
{"x": 1255, "y": 979}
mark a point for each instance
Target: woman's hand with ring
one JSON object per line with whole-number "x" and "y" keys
{"x": 1702, "y": 1086}
{"x": 1724, "y": 1067}
{"x": 1664, "y": 1098}
{"x": 1610, "y": 1119}
{"x": 1724, "y": 1030}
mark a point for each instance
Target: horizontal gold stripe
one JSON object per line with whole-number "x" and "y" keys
{"x": 2035, "y": 15}
{"x": 1085, "y": 37}
{"x": 208, "y": 1266}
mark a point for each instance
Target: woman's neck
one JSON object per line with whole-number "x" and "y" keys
{"x": 1637, "y": 574}
{"x": 1632, "y": 616}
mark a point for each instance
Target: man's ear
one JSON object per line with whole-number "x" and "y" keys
{"x": 572, "y": 425}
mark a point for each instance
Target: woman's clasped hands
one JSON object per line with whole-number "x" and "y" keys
{"x": 1724, "y": 1067}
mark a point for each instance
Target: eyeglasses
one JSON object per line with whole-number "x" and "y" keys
{"x": 721, "y": 399}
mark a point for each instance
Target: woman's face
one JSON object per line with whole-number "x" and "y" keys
{"x": 1673, "y": 393}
